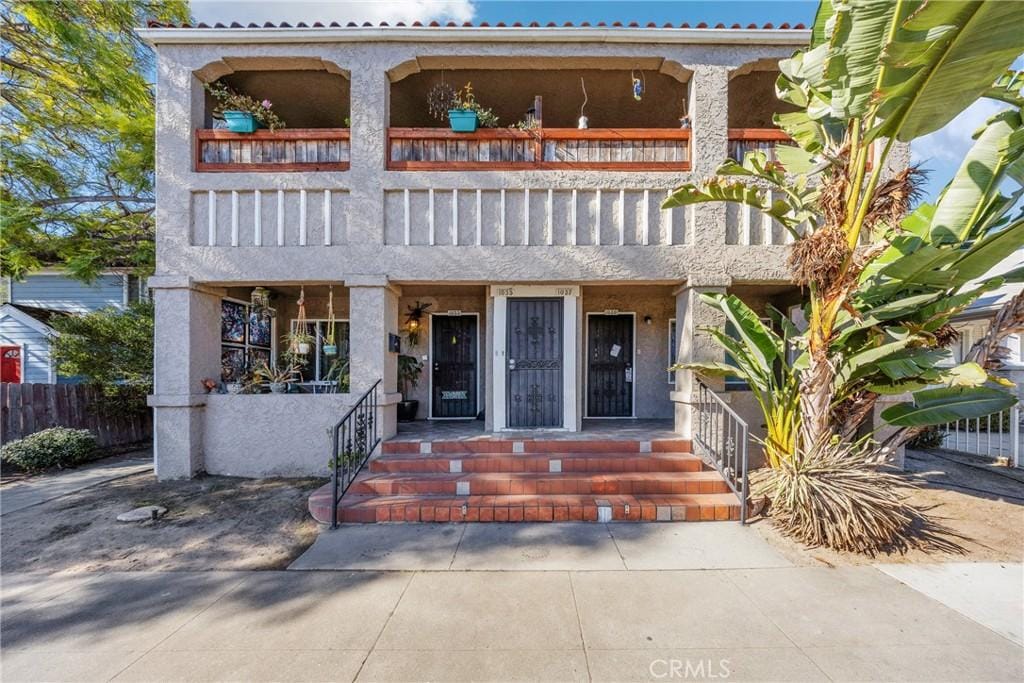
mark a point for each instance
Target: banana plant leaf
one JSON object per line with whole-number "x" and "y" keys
{"x": 948, "y": 404}
{"x": 943, "y": 57}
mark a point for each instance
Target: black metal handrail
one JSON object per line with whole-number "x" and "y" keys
{"x": 722, "y": 435}
{"x": 354, "y": 440}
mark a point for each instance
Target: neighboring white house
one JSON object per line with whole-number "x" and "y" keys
{"x": 30, "y": 304}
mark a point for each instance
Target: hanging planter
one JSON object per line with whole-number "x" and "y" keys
{"x": 330, "y": 348}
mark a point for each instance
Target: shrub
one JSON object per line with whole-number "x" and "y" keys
{"x": 55, "y": 447}
{"x": 836, "y": 496}
{"x": 930, "y": 437}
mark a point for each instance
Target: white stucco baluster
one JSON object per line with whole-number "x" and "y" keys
{"x": 430, "y": 216}
{"x": 550, "y": 217}
{"x": 280, "y": 218}
{"x": 234, "y": 218}
{"x": 501, "y": 219}
{"x": 646, "y": 219}
{"x": 211, "y": 218}
{"x": 479, "y": 220}
{"x": 572, "y": 220}
{"x": 302, "y": 218}
{"x": 666, "y": 223}
{"x": 526, "y": 216}
{"x": 455, "y": 218}
{"x": 745, "y": 237}
{"x": 407, "y": 224}
{"x": 622, "y": 217}
{"x": 597, "y": 219}
{"x": 327, "y": 218}
{"x": 766, "y": 224}
{"x": 257, "y": 219}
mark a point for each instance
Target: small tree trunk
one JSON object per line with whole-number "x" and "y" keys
{"x": 816, "y": 401}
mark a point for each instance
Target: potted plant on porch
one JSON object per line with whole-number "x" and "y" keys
{"x": 277, "y": 378}
{"x": 241, "y": 113}
{"x": 409, "y": 369}
{"x": 466, "y": 113}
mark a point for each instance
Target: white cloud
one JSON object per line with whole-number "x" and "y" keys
{"x": 950, "y": 143}
{"x": 326, "y": 11}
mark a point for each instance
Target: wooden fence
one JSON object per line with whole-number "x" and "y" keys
{"x": 29, "y": 408}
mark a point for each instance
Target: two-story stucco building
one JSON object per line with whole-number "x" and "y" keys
{"x": 549, "y": 289}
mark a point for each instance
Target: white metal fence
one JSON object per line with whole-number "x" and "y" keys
{"x": 995, "y": 435}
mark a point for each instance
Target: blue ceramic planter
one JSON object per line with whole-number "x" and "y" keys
{"x": 240, "y": 121}
{"x": 462, "y": 120}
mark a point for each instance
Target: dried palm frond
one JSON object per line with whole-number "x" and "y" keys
{"x": 819, "y": 257}
{"x": 832, "y": 200}
{"x": 837, "y": 496}
{"x": 893, "y": 199}
{"x": 945, "y": 336}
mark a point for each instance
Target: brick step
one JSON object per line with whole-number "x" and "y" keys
{"x": 540, "y": 483}
{"x": 536, "y": 446}
{"x": 575, "y": 462}
{"x": 368, "y": 508}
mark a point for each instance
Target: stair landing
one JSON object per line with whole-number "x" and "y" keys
{"x": 533, "y": 480}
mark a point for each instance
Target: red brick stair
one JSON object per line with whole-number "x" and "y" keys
{"x": 504, "y": 480}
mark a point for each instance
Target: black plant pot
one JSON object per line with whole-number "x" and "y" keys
{"x": 407, "y": 410}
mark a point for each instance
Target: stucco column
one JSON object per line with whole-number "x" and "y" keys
{"x": 709, "y": 112}
{"x": 373, "y": 306}
{"x": 369, "y": 107}
{"x": 186, "y": 351}
{"x": 692, "y": 344}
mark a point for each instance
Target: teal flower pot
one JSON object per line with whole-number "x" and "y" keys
{"x": 240, "y": 121}
{"x": 462, "y": 120}
{"x": 330, "y": 349}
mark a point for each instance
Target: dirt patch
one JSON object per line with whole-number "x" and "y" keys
{"x": 212, "y": 523}
{"x": 982, "y": 504}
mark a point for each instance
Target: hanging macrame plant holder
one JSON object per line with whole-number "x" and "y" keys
{"x": 330, "y": 347}
{"x": 301, "y": 341}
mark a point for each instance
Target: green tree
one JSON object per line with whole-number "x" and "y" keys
{"x": 77, "y": 134}
{"x": 874, "y": 74}
{"x": 108, "y": 347}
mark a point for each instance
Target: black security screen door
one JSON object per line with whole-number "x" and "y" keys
{"x": 534, "y": 363}
{"x": 610, "y": 366}
{"x": 454, "y": 371}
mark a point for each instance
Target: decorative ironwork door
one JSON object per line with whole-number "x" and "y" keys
{"x": 534, "y": 365}
{"x": 610, "y": 366}
{"x": 454, "y": 372}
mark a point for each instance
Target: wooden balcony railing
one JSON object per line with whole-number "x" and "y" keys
{"x": 502, "y": 149}
{"x": 294, "y": 149}
{"x": 743, "y": 140}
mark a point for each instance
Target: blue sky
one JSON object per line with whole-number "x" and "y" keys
{"x": 939, "y": 152}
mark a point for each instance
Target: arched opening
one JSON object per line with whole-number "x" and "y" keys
{"x": 752, "y": 107}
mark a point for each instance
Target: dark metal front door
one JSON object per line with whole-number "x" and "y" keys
{"x": 453, "y": 381}
{"x": 534, "y": 363}
{"x": 610, "y": 366}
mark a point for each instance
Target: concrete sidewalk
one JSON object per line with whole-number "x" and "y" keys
{"x": 788, "y": 623}
{"x": 45, "y": 487}
{"x": 568, "y": 546}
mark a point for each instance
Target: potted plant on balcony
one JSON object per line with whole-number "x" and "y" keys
{"x": 409, "y": 368}
{"x": 241, "y": 113}
{"x": 338, "y": 373}
{"x": 466, "y": 113}
{"x": 277, "y": 378}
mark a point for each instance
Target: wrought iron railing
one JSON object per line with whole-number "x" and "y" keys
{"x": 721, "y": 437}
{"x": 996, "y": 436}
{"x": 355, "y": 437}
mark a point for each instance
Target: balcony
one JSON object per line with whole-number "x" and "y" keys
{"x": 288, "y": 150}
{"x": 745, "y": 140}
{"x": 439, "y": 149}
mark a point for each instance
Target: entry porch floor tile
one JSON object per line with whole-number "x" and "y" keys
{"x": 469, "y": 430}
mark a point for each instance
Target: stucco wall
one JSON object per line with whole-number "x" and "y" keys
{"x": 263, "y": 435}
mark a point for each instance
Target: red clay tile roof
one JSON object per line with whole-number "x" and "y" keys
{"x": 469, "y": 24}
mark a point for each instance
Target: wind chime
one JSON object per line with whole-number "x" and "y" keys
{"x": 584, "y": 122}
{"x": 330, "y": 348}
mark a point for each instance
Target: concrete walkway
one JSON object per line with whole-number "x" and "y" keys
{"x": 45, "y": 487}
{"x": 784, "y": 623}
{"x": 549, "y": 547}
